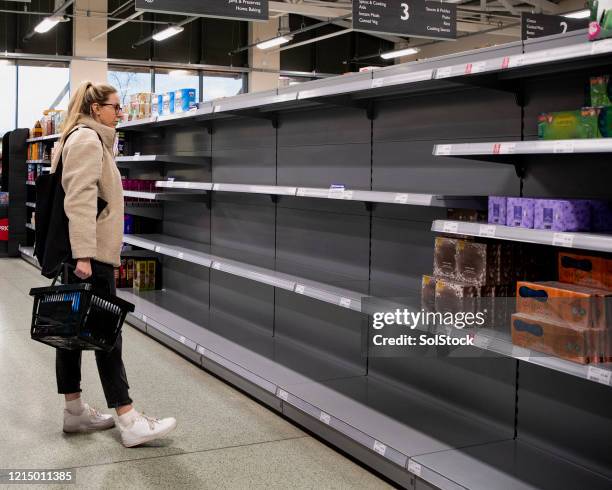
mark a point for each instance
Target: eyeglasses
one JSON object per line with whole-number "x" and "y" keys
{"x": 118, "y": 108}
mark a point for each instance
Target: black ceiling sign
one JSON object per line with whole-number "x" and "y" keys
{"x": 253, "y": 10}
{"x": 539, "y": 25}
{"x": 416, "y": 18}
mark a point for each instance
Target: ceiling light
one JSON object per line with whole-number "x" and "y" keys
{"x": 277, "y": 41}
{"x": 169, "y": 32}
{"x": 580, "y": 14}
{"x": 399, "y": 53}
{"x": 48, "y": 23}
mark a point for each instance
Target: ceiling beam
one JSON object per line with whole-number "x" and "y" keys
{"x": 308, "y": 10}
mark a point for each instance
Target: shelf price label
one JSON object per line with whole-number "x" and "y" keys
{"x": 201, "y": 350}
{"x": 401, "y": 198}
{"x": 180, "y": 255}
{"x": 157, "y": 249}
{"x": 325, "y": 418}
{"x": 520, "y": 353}
{"x": 300, "y": 288}
{"x": 345, "y": 302}
{"x": 144, "y": 318}
{"x": 563, "y": 240}
{"x": 563, "y": 147}
{"x": 378, "y": 82}
{"x": 442, "y": 150}
{"x": 602, "y": 46}
{"x": 444, "y": 72}
{"x": 216, "y": 266}
{"x": 348, "y": 195}
{"x": 599, "y": 375}
{"x": 414, "y": 467}
{"x": 182, "y": 339}
{"x": 283, "y": 395}
{"x": 487, "y": 231}
{"x": 380, "y": 448}
{"x": 450, "y": 227}
{"x": 482, "y": 342}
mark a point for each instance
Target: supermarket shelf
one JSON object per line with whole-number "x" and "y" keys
{"x": 31, "y": 205}
{"x": 188, "y": 251}
{"x": 507, "y": 151}
{"x": 504, "y": 465}
{"x": 578, "y": 240}
{"x": 30, "y": 226}
{"x": 466, "y": 202}
{"x": 183, "y": 160}
{"x": 137, "y": 124}
{"x": 43, "y": 162}
{"x": 50, "y": 137}
{"x": 167, "y": 196}
{"x": 147, "y": 209}
{"x": 27, "y": 254}
{"x": 29, "y": 182}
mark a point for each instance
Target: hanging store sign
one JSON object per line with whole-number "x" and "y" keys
{"x": 252, "y": 10}
{"x": 415, "y": 18}
{"x": 539, "y": 25}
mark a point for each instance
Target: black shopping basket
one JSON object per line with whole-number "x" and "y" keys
{"x": 77, "y": 317}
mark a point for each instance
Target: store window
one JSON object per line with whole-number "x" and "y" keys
{"x": 172, "y": 80}
{"x": 8, "y": 89}
{"x": 217, "y": 86}
{"x": 41, "y": 86}
{"x": 129, "y": 81}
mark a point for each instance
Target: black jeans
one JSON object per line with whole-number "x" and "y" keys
{"x": 110, "y": 364}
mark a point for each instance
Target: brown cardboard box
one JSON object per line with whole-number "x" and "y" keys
{"x": 455, "y": 297}
{"x": 560, "y": 340}
{"x": 579, "y": 306}
{"x": 140, "y": 277}
{"x": 129, "y": 276}
{"x": 445, "y": 252}
{"x": 585, "y": 270}
{"x": 483, "y": 263}
{"x": 151, "y": 266}
{"x": 428, "y": 293}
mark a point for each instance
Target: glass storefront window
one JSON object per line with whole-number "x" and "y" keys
{"x": 41, "y": 86}
{"x": 216, "y": 86}
{"x": 8, "y": 89}
{"x": 172, "y": 80}
{"x": 129, "y": 81}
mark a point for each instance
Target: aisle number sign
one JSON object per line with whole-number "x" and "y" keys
{"x": 416, "y": 18}
{"x": 253, "y": 10}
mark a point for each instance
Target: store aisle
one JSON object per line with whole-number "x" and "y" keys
{"x": 223, "y": 440}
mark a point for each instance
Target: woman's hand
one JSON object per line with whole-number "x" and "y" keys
{"x": 83, "y": 269}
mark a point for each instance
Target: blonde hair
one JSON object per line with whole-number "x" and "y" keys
{"x": 80, "y": 103}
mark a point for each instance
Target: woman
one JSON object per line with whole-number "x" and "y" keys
{"x": 87, "y": 150}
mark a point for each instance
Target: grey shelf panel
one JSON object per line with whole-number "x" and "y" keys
{"x": 503, "y": 151}
{"x": 50, "y": 137}
{"x": 28, "y": 182}
{"x": 577, "y": 240}
{"x": 506, "y": 465}
{"x": 27, "y": 251}
{"x": 168, "y": 184}
{"x": 167, "y": 196}
{"x": 186, "y": 250}
{"x": 183, "y": 160}
{"x": 259, "y": 358}
{"x": 152, "y": 210}
{"x": 395, "y": 423}
{"x": 256, "y": 189}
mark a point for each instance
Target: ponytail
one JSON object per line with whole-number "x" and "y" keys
{"x": 80, "y": 103}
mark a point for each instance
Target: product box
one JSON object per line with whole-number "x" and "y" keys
{"x": 520, "y": 212}
{"x": 469, "y": 215}
{"x": 497, "y": 210}
{"x": 428, "y": 293}
{"x": 560, "y": 340}
{"x": 562, "y": 215}
{"x": 585, "y": 270}
{"x": 117, "y": 277}
{"x": 579, "y": 306}
{"x": 155, "y": 105}
{"x": 455, "y": 297}
{"x": 129, "y": 273}
{"x": 445, "y": 251}
{"x": 580, "y": 124}
{"x": 601, "y": 216}
{"x": 184, "y": 100}
{"x": 151, "y": 273}
{"x": 600, "y": 25}
{"x": 128, "y": 224}
{"x": 480, "y": 264}
{"x": 600, "y": 91}
{"x": 123, "y": 273}
{"x": 140, "y": 275}
{"x": 168, "y": 103}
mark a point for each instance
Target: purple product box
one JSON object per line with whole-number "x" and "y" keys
{"x": 562, "y": 215}
{"x": 128, "y": 224}
{"x": 601, "y": 216}
{"x": 520, "y": 212}
{"x": 497, "y": 210}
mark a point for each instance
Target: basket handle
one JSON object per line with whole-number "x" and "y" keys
{"x": 64, "y": 268}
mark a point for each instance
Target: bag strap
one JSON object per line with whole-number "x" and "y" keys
{"x": 72, "y": 131}
{"x": 63, "y": 268}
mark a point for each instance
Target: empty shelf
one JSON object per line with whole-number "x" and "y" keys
{"x": 579, "y": 240}
{"x": 183, "y": 160}
{"x": 137, "y": 124}
{"x": 186, "y": 250}
{"x": 170, "y": 184}
{"x": 50, "y": 137}
{"x": 256, "y": 189}
{"x": 505, "y": 465}
{"x": 167, "y": 196}
{"x": 27, "y": 251}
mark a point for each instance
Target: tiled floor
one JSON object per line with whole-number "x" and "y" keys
{"x": 223, "y": 439}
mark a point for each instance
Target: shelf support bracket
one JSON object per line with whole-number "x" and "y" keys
{"x": 274, "y": 198}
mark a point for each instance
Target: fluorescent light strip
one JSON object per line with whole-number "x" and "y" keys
{"x": 399, "y": 53}
{"x": 580, "y": 14}
{"x": 277, "y": 41}
{"x": 48, "y": 23}
{"x": 169, "y": 32}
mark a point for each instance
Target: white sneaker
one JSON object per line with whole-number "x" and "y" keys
{"x": 89, "y": 420}
{"x": 144, "y": 429}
